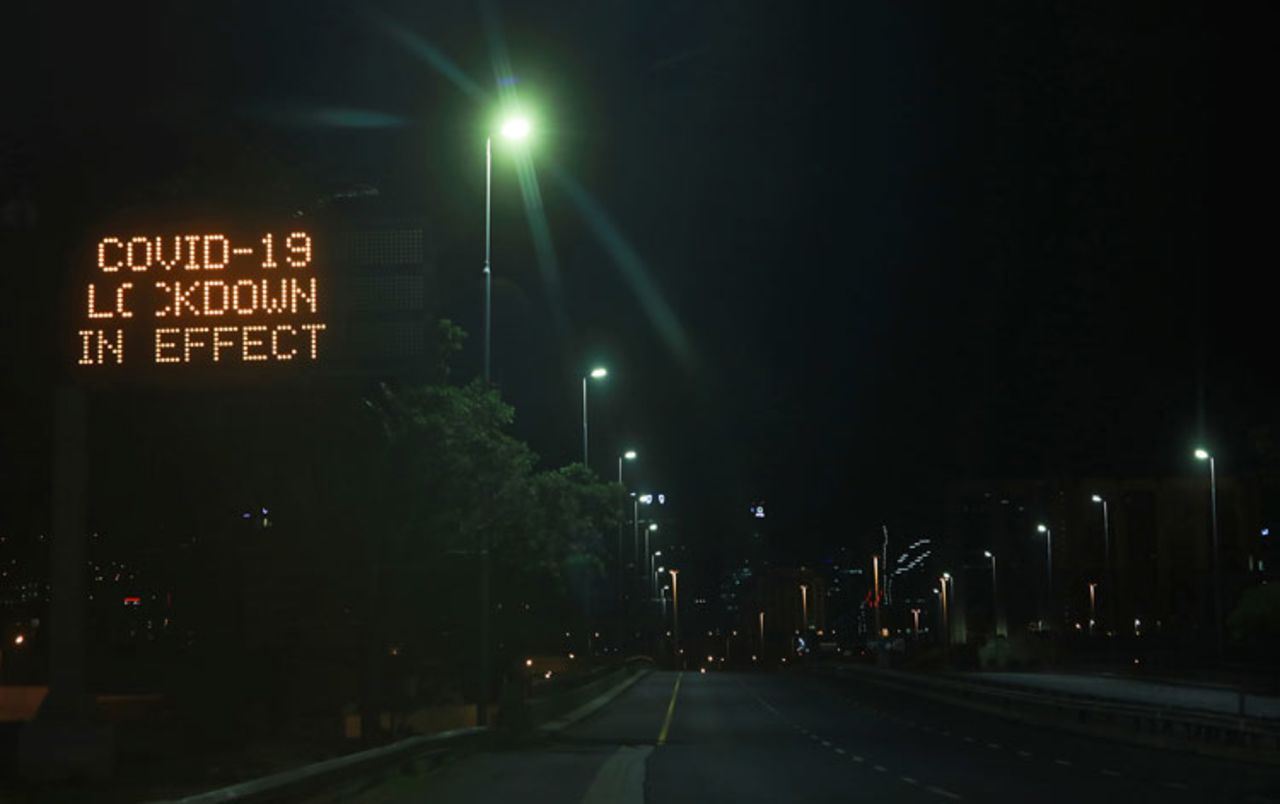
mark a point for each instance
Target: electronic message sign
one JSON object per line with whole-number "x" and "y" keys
{"x": 203, "y": 298}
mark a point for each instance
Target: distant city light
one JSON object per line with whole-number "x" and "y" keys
{"x": 19, "y": 639}
{"x": 662, "y": 499}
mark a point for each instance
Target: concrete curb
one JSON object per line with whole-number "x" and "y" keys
{"x": 594, "y": 705}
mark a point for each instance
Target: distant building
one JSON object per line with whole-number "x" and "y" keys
{"x": 1160, "y": 551}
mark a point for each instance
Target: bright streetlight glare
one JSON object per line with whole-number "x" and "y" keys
{"x": 987, "y": 553}
{"x": 516, "y": 128}
{"x": 946, "y": 576}
{"x": 629, "y": 455}
{"x": 1096, "y": 498}
{"x": 1041, "y": 528}
{"x": 654, "y": 526}
{"x": 1202, "y": 454}
{"x": 597, "y": 373}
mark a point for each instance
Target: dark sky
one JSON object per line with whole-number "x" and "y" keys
{"x": 904, "y": 242}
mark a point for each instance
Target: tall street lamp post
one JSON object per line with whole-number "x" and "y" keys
{"x": 596, "y": 374}
{"x": 875, "y": 599}
{"x": 1106, "y": 562}
{"x": 1048, "y": 565}
{"x": 1204, "y": 455}
{"x": 629, "y": 455}
{"x": 636, "y": 501}
{"x": 946, "y": 613}
{"x": 653, "y": 528}
{"x": 804, "y": 607}
{"x": 1093, "y": 604}
{"x": 515, "y": 128}
{"x": 675, "y": 610}
{"x": 995, "y": 592}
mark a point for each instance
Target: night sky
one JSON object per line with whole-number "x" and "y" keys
{"x": 894, "y": 243}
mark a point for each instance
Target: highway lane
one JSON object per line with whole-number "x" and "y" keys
{"x": 741, "y": 737}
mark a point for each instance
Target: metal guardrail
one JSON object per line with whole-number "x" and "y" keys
{"x": 330, "y": 773}
{"x": 350, "y": 769}
{"x": 1166, "y": 726}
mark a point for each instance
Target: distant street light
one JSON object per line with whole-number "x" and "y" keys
{"x": 944, "y": 582}
{"x": 1203, "y": 455}
{"x": 804, "y": 606}
{"x": 995, "y": 592}
{"x": 1106, "y": 562}
{"x": 653, "y": 527}
{"x": 515, "y": 128}
{"x": 596, "y": 374}
{"x": 875, "y": 591}
{"x": 636, "y": 501}
{"x": 675, "y": 609}
{"x": 1048, "y": 563}
{"x": 1093, "y": 604}
{"x": 629, "y": 455}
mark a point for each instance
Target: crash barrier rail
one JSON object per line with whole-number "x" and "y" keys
{"x": 1238, "y": 693}
{"x": 339, "y": 772}
{"x": 346, "y": 772}
{"x": 1224, "y": 735}
{"x": 557, "y": 701}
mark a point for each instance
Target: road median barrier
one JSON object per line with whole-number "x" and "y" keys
{"x": 1221, "y": 735}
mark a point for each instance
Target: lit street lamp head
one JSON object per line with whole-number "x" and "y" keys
{"x": 1202, "y": 454}
{"x": 1041, "y": 529}
{"x": 598, "y": 373}
{"x": 516, "y": 128}
{"x": 653, "y": 526}
{"x": 988, "y": 554}
{"x": 1096, "y": 498}
{"x": 629, "y": 455}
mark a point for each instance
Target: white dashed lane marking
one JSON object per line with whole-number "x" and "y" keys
{"x": 1063, "y": 762}
{"x": 1109, "y": 772}
{"x": 944, "y": 793}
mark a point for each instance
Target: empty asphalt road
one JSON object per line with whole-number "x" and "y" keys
{"x": 747, "y": 737}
